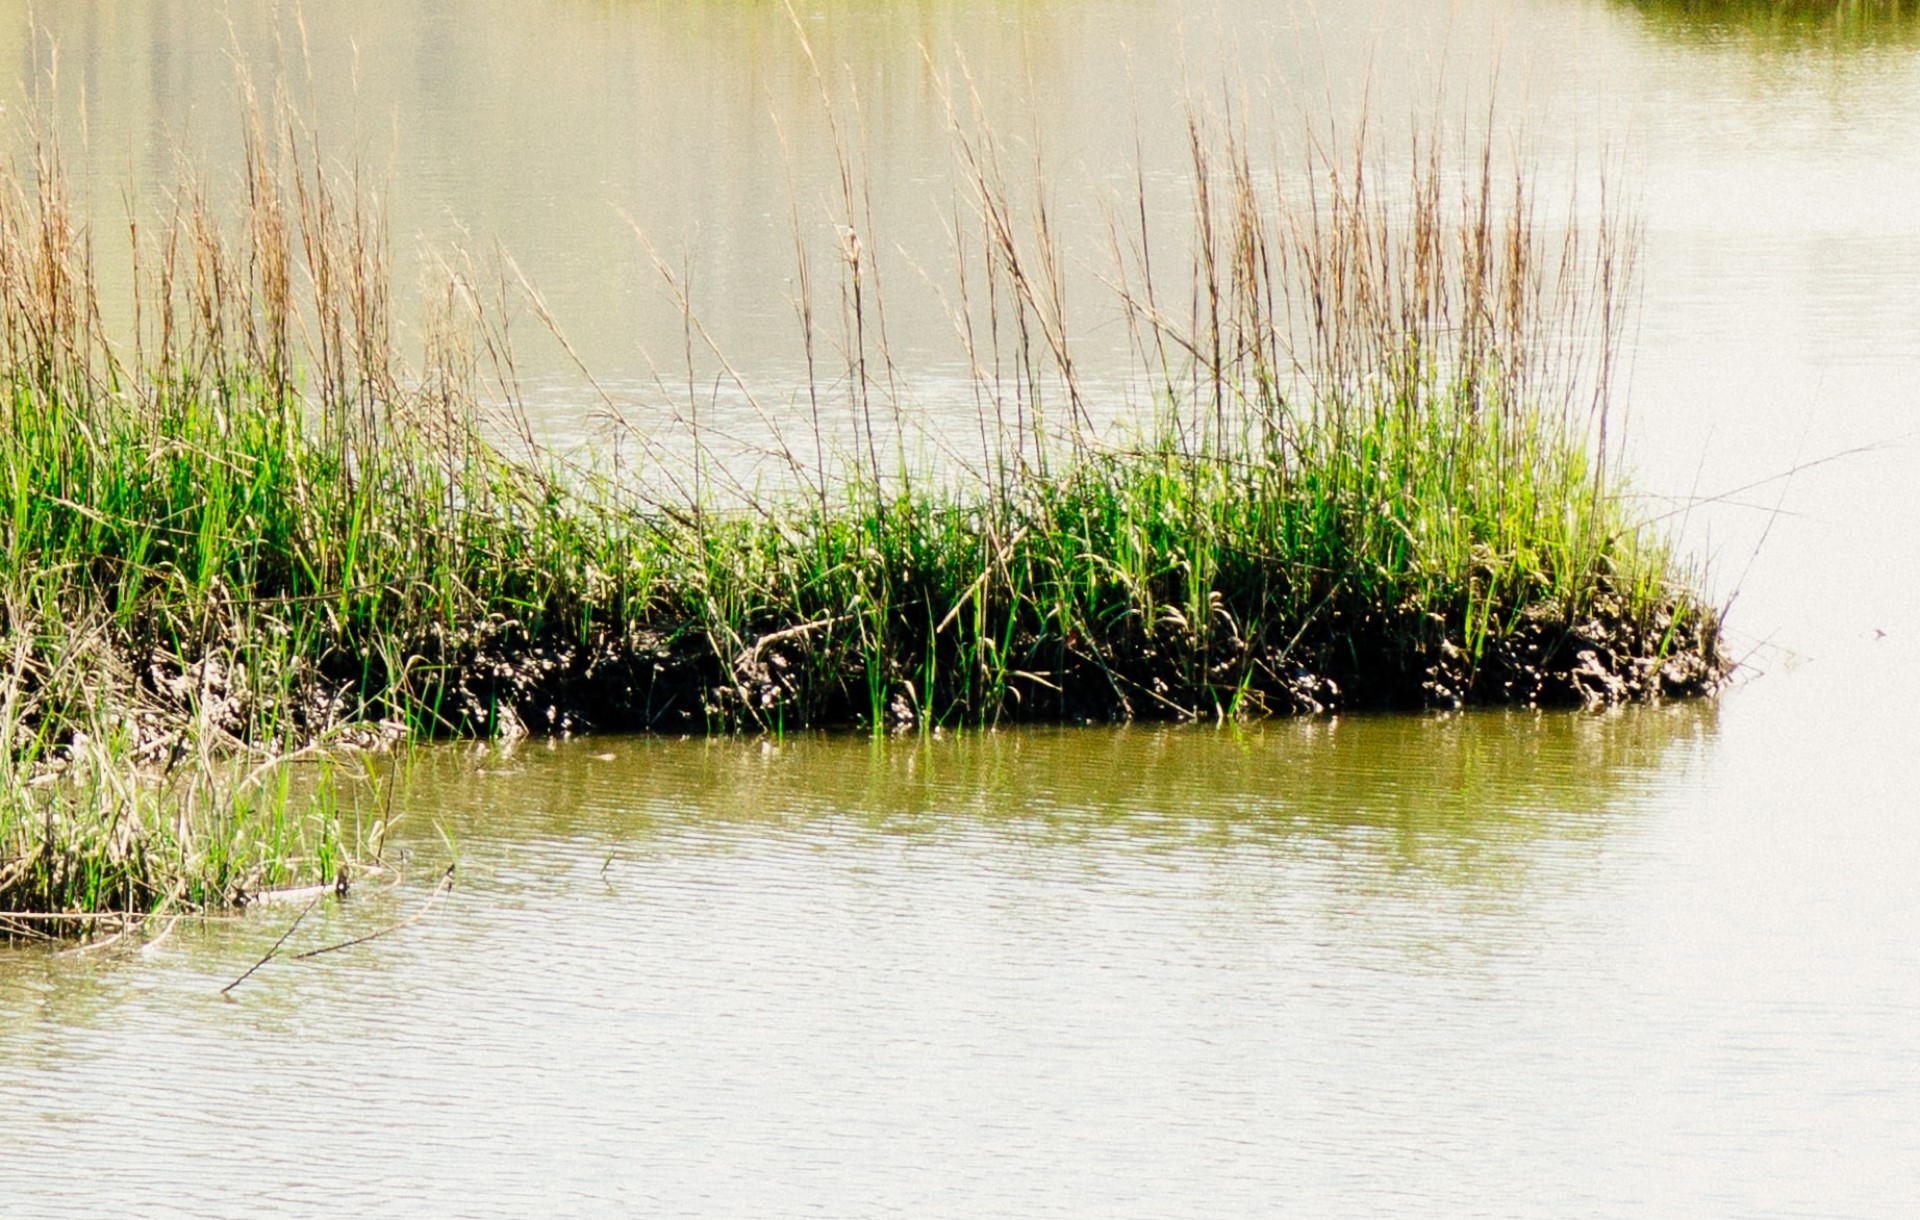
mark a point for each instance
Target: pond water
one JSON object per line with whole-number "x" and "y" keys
{"x": 1656, "y": 962}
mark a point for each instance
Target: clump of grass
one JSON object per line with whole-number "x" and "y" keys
{"x": 101, "y": 837}
{"x": 1372, "y": 472}
{"x": 107, "y": 823}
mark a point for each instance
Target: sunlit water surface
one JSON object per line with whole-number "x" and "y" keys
{"x": 1662, "y": 962}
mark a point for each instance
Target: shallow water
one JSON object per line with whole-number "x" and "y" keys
{"x": 1484, "y": 964}
{"x": 1658, "y": 962}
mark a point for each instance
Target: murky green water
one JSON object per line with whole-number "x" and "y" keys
{"x": 1663, "y": 962}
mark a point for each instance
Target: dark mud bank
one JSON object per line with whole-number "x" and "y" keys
{"x": 502, "y": 677}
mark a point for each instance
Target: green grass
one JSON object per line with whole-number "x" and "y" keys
{"x": 1373, "y": 475}
{"x": 104, "y": 836}
{"x": 1785, "y": 24}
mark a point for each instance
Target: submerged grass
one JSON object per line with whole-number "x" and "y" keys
{"x": 1370, "y": 471}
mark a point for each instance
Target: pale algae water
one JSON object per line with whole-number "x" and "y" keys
{"x": 1658, "y": 962}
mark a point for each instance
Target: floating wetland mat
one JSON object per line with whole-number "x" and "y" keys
{"x": 1367, "y": 467}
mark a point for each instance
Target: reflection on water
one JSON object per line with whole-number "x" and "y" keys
{"x": 1785, "y": 24}
{"x": 1464, "y": 799}
{"x": 1579, "y": 965}
{"x": 734, "y": 977}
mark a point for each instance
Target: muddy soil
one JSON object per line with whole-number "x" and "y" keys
{"x": 668, "y": 677}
